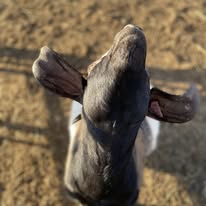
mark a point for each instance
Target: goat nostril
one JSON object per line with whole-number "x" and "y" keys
{"x": 139, "y": 28}
{"x": 68, "y": 193}
{"x": 66, "y": 190}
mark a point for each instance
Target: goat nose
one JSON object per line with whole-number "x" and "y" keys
{"x": 131, "y": 26}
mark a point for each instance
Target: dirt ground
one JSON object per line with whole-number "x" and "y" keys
{"x": 33, "y": 122}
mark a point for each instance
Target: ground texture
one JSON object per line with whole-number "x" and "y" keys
{"x": 33, "y": 122}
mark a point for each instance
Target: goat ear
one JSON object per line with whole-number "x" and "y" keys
{"x": 173, "y": 108}
{"x": 55, "y": 74}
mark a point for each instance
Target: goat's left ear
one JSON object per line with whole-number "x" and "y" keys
{"x": 173, "y": 108}
{"x": 56, "y": 75}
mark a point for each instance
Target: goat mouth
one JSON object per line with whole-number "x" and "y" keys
{"x": 129, "y": 47}
{"x": 132, "y": 31}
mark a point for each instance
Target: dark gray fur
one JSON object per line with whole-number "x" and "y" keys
{"x": 115, "y": 102}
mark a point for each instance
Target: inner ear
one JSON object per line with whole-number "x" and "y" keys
{"x": 173, "y": 108}
{"x": 56, "y": 75}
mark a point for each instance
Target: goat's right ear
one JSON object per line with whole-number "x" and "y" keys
{"x": 55, "y": 74}
{"x": 173, "y": 108}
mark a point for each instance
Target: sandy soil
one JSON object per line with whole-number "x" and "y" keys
{"x": 33, "y": 133}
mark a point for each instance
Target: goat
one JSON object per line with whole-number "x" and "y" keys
{"x": 110, "y": 134}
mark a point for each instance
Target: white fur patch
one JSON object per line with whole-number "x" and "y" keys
{"x": 154, "y": 126}
{"x": 76, "y": 109}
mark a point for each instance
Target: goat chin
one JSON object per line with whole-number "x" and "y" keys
{"x": 151, "y": 131}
